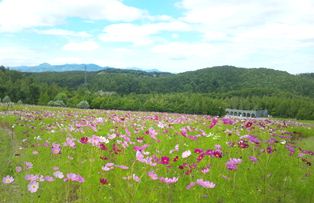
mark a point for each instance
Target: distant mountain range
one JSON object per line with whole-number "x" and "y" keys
{"x": 46, "y": 67}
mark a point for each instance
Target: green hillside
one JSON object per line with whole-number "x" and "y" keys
{"x": 204, "y": 91}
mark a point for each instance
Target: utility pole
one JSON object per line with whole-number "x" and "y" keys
{"x": 85, "y": 76}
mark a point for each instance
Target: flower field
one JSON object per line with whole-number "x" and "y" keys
{"x": 71, "y": 155}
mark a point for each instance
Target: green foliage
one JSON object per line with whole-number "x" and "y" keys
{"x": 6, "y": 99}
{"x": 57, "y": 103}
{"x": 20, "y": 102}
{"x": 205, "y": 91}
{"x": 83, "y": 105}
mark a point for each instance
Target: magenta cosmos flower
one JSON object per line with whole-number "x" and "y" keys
{"x": 164, "y": 160}
{"x": 84, "y": 140}
{"x": 103, "y": 181}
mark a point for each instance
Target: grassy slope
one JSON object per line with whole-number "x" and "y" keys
{"x": 274, "y": 178}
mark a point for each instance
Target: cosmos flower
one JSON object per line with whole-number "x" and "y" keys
{"x": 213, "y": 123}
{"x": 164, "y": 160}
{"x": 152, "y": 175}
{"x": 205, "y": 184}
{"x": 28, "y": 165}
{"x": 233, "y": 163}
{"x": 198, "y": 151}
{"x": 103, "y": 181}
{"x": 190, "y": 185}
{"x": 108, "y": 167}
{"x": 55, "y": 149}
{"x": 8, "y": 179}
{"x": 186, "y": 154}
{"x": 18, "y": 169}
{"x": 102, "y": 147}
{"x": 74, "y": 178}
{"x": 169, "y": 180}
{"x": 243, "y": 144}
{"x": 49, "y": 178}
{"x": 58, "y": 174}
{"x": 31, "y": 178}
{"x": 33, "y": 186}
{"x": 136, "y": 178}
{"x": 70, "y": 142}
{"x": 253, "y": 159}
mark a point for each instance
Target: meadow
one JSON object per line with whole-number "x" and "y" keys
{"x": 70, "y": 155}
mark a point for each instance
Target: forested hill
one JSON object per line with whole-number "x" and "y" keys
{"x": 224, "y": 80}
{"x": 204, "y": 91}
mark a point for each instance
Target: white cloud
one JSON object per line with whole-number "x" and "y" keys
{"x": 18, "y": 55}
{"x": 140, "y": 34}
{"x": 81, "y": 46}
{"x": 19, "y": 14}
{"x": 64, "y": 33}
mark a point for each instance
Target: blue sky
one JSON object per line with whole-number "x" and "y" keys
{"x": 170, "y": 35}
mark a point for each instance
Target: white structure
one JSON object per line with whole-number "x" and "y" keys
{"x": 247, "y": 113}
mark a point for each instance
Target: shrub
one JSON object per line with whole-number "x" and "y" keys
{"x": 83, "y": 105}
{"x": 6, "y": 99}
{"x": 58, "y": 103}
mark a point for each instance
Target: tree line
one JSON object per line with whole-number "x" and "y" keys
{"x": 121, "y": 92}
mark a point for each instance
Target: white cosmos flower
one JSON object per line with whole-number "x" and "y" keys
{"x": 186, "y": 154}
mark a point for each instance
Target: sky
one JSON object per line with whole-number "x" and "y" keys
{"x": 169, "y": 35}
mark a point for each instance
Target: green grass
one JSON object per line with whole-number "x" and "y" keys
{"x": 276, "y": 177}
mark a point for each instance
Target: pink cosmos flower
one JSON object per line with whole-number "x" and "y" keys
{"x": 18, "y": 169}
{"x": 169, "y": 180}
{"x": 70, "y": 142}
{"x": 198, "y": 151}
{"x": 33, "y": 186}
{"x": 233, "y": 163}
{"x": 30, "y": 177}
{"x": 253, "y": 159}
{"x": 251, "y": 138}
{"x": 153, "y": 134}
{"x": 28, "y": 165}
{"x": 205, "y": 170}
{"x": 227, "y": 121}
{"x": 148, "y": 160}
{"x": 49, "y": 178}
{"x": 108, "y": 167}
{"x": 122, "y": 167}
{"x": 56, "y": 149}
{"x": 74, "y": 177}
{"x": 140, "y": 148}
{"x": 184, "y": 132}
{"x": 205, "y": 184}
{"x": 152, "y": 175}
{"x": 136, "y": 178}
{"x": 58, "y": 174}
{"x": 190, "y": 185}
{"x": 8, "y": 179}
{"x": 176, "y": 148}
{"x": 95, "y": 140}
